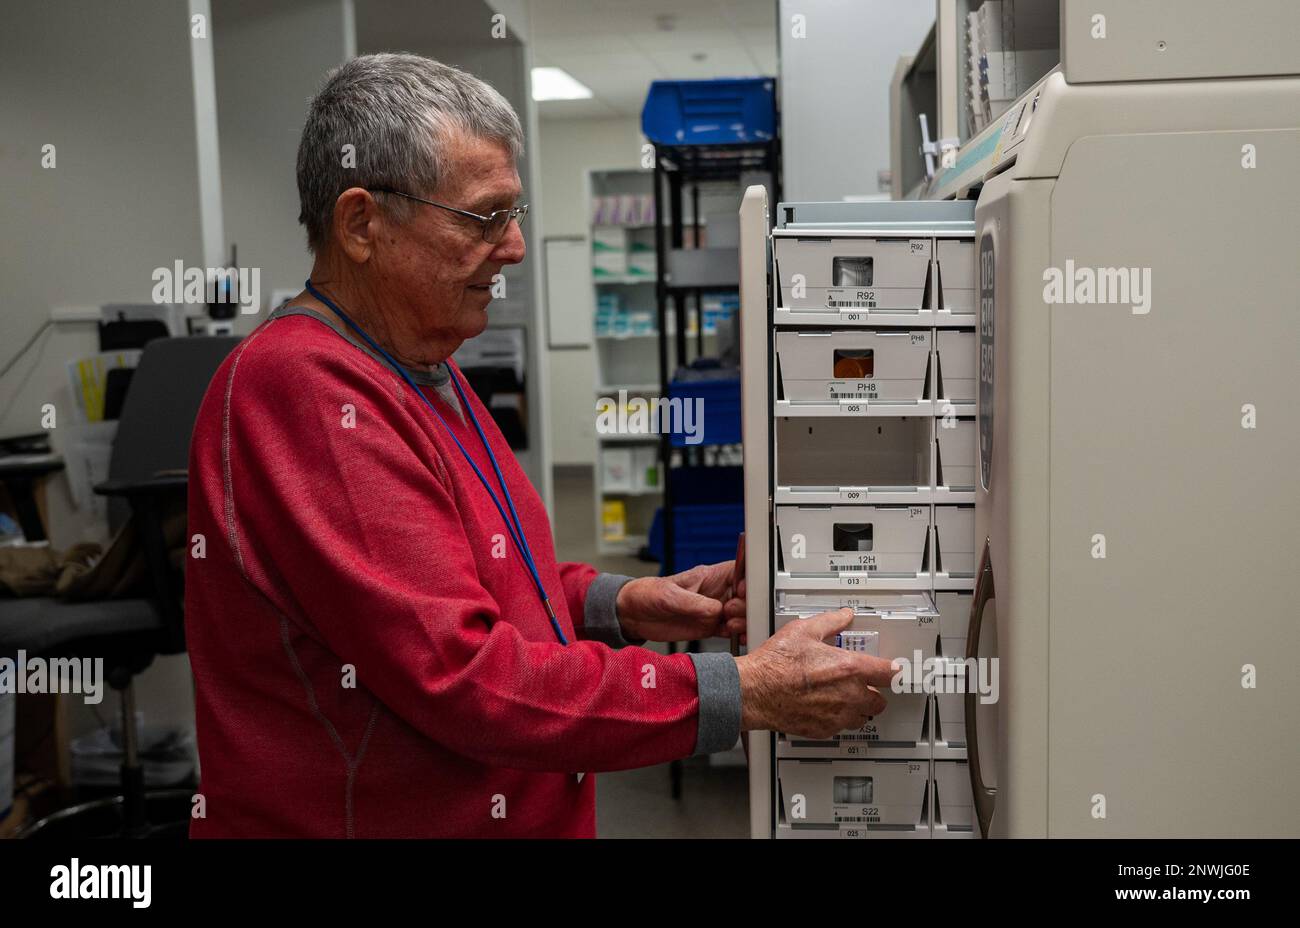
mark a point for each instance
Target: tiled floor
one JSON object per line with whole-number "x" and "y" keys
{"x": 639, "y": 803}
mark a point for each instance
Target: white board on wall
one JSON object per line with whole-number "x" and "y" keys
{"x": 570, "y": 297}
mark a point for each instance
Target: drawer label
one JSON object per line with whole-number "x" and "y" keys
{"x": 857, "y": 815}
{"x": 851, "y": 299}
{"x": 857, "y": 561}
{"x": 853, "y": 389}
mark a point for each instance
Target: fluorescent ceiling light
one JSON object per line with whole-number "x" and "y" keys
{"x": 558, "y": 84}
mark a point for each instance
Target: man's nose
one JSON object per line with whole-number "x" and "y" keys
{"x": 511, "y": 248}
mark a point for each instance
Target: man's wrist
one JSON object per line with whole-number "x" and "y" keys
{"x": 751, "y": 716}
{"x": 625, "y": 611}
{"x": 600, "y": 613}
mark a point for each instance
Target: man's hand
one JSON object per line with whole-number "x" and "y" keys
{"x": 798, "y": 684}
{"x": 697, "y": 603}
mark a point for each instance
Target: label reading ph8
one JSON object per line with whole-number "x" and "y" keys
{"x": 853, "y": 389}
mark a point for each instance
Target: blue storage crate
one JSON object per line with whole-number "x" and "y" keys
{"x": 719, "y": 389}
{"x": 721, "y": 111}
{"x": 704, "y": 534}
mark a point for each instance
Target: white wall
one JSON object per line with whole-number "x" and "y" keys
{"x": 835, "y": 91}
{"x": 569, "y": 149}
{"x": 113, "y": 95}
{"x": 271, "y": 58}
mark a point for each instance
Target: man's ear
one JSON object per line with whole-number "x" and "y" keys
{"x": 356, "y": 223}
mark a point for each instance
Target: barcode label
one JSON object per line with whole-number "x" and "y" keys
{"x": 859, "y": 819}
{"x": 850, "y": 304}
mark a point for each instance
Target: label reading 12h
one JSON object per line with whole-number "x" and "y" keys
{"x": 986, "y": 359}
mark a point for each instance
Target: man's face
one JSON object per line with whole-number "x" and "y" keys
{"x": 440, "y": 258}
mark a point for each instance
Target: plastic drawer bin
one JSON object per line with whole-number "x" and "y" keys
{"x": 954, "y": 534}
{"x": 954, "y": 804}
{"x": 885, "y": 541}
{"x": 874, "y": 795}
{"x": 724, "y": 111}
{"x": 708, "y": 401}
{"x": 901, "y": 728}
{"x": 956, "y": 458}
{"x": 956, "y": 365}
{"x": 954, "y": 620}
{"x": 957, "y": 281}
{"x": 891, "y": 453}
{"x": 889, "y": 366}
{"x": 901, "y": 623}
{"x": 703, "y": 534}
{"x": 820, "y": 273}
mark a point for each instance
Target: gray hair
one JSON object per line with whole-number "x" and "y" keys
{"x": 397, "y": 110}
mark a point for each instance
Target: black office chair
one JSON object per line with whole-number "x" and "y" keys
{"x": 147, "y": 480}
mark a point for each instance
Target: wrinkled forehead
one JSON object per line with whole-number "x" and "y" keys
{"x": 479, "y": 171}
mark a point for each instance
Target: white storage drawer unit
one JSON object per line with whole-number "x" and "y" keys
{"x": 879, "y": 540}
{"x": 863, "y": 428}
{"x": 854, "y": 452}
{"x": 903, "y": 623}
{"x": 875, "y": 795}
{"x": 894, "y": 625}
{"x": 955, "y": 453}
{"x": 955, "y": 367}
{"x": 886, "y": 366}
{"x": 955, "y": 260}
{"x": 859, "y": 272}
{"x": 954, "y": 534}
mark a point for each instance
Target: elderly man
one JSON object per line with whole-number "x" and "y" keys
{"x": 382, "y": 640}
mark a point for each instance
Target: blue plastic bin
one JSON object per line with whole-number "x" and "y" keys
{"x": 701, "y": 534}
{"x": 721, "y": 111}
{"x": 719, "y": 390}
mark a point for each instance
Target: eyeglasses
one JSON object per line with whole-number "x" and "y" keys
{"x": 494, "y": 224}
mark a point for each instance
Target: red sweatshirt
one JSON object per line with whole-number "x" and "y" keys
{"x": 370, "y": 655}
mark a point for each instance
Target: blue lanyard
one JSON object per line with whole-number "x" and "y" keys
{"x": 513, "y": 525}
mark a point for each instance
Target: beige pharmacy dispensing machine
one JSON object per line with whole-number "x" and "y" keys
{"x": 1098, "y": 489}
